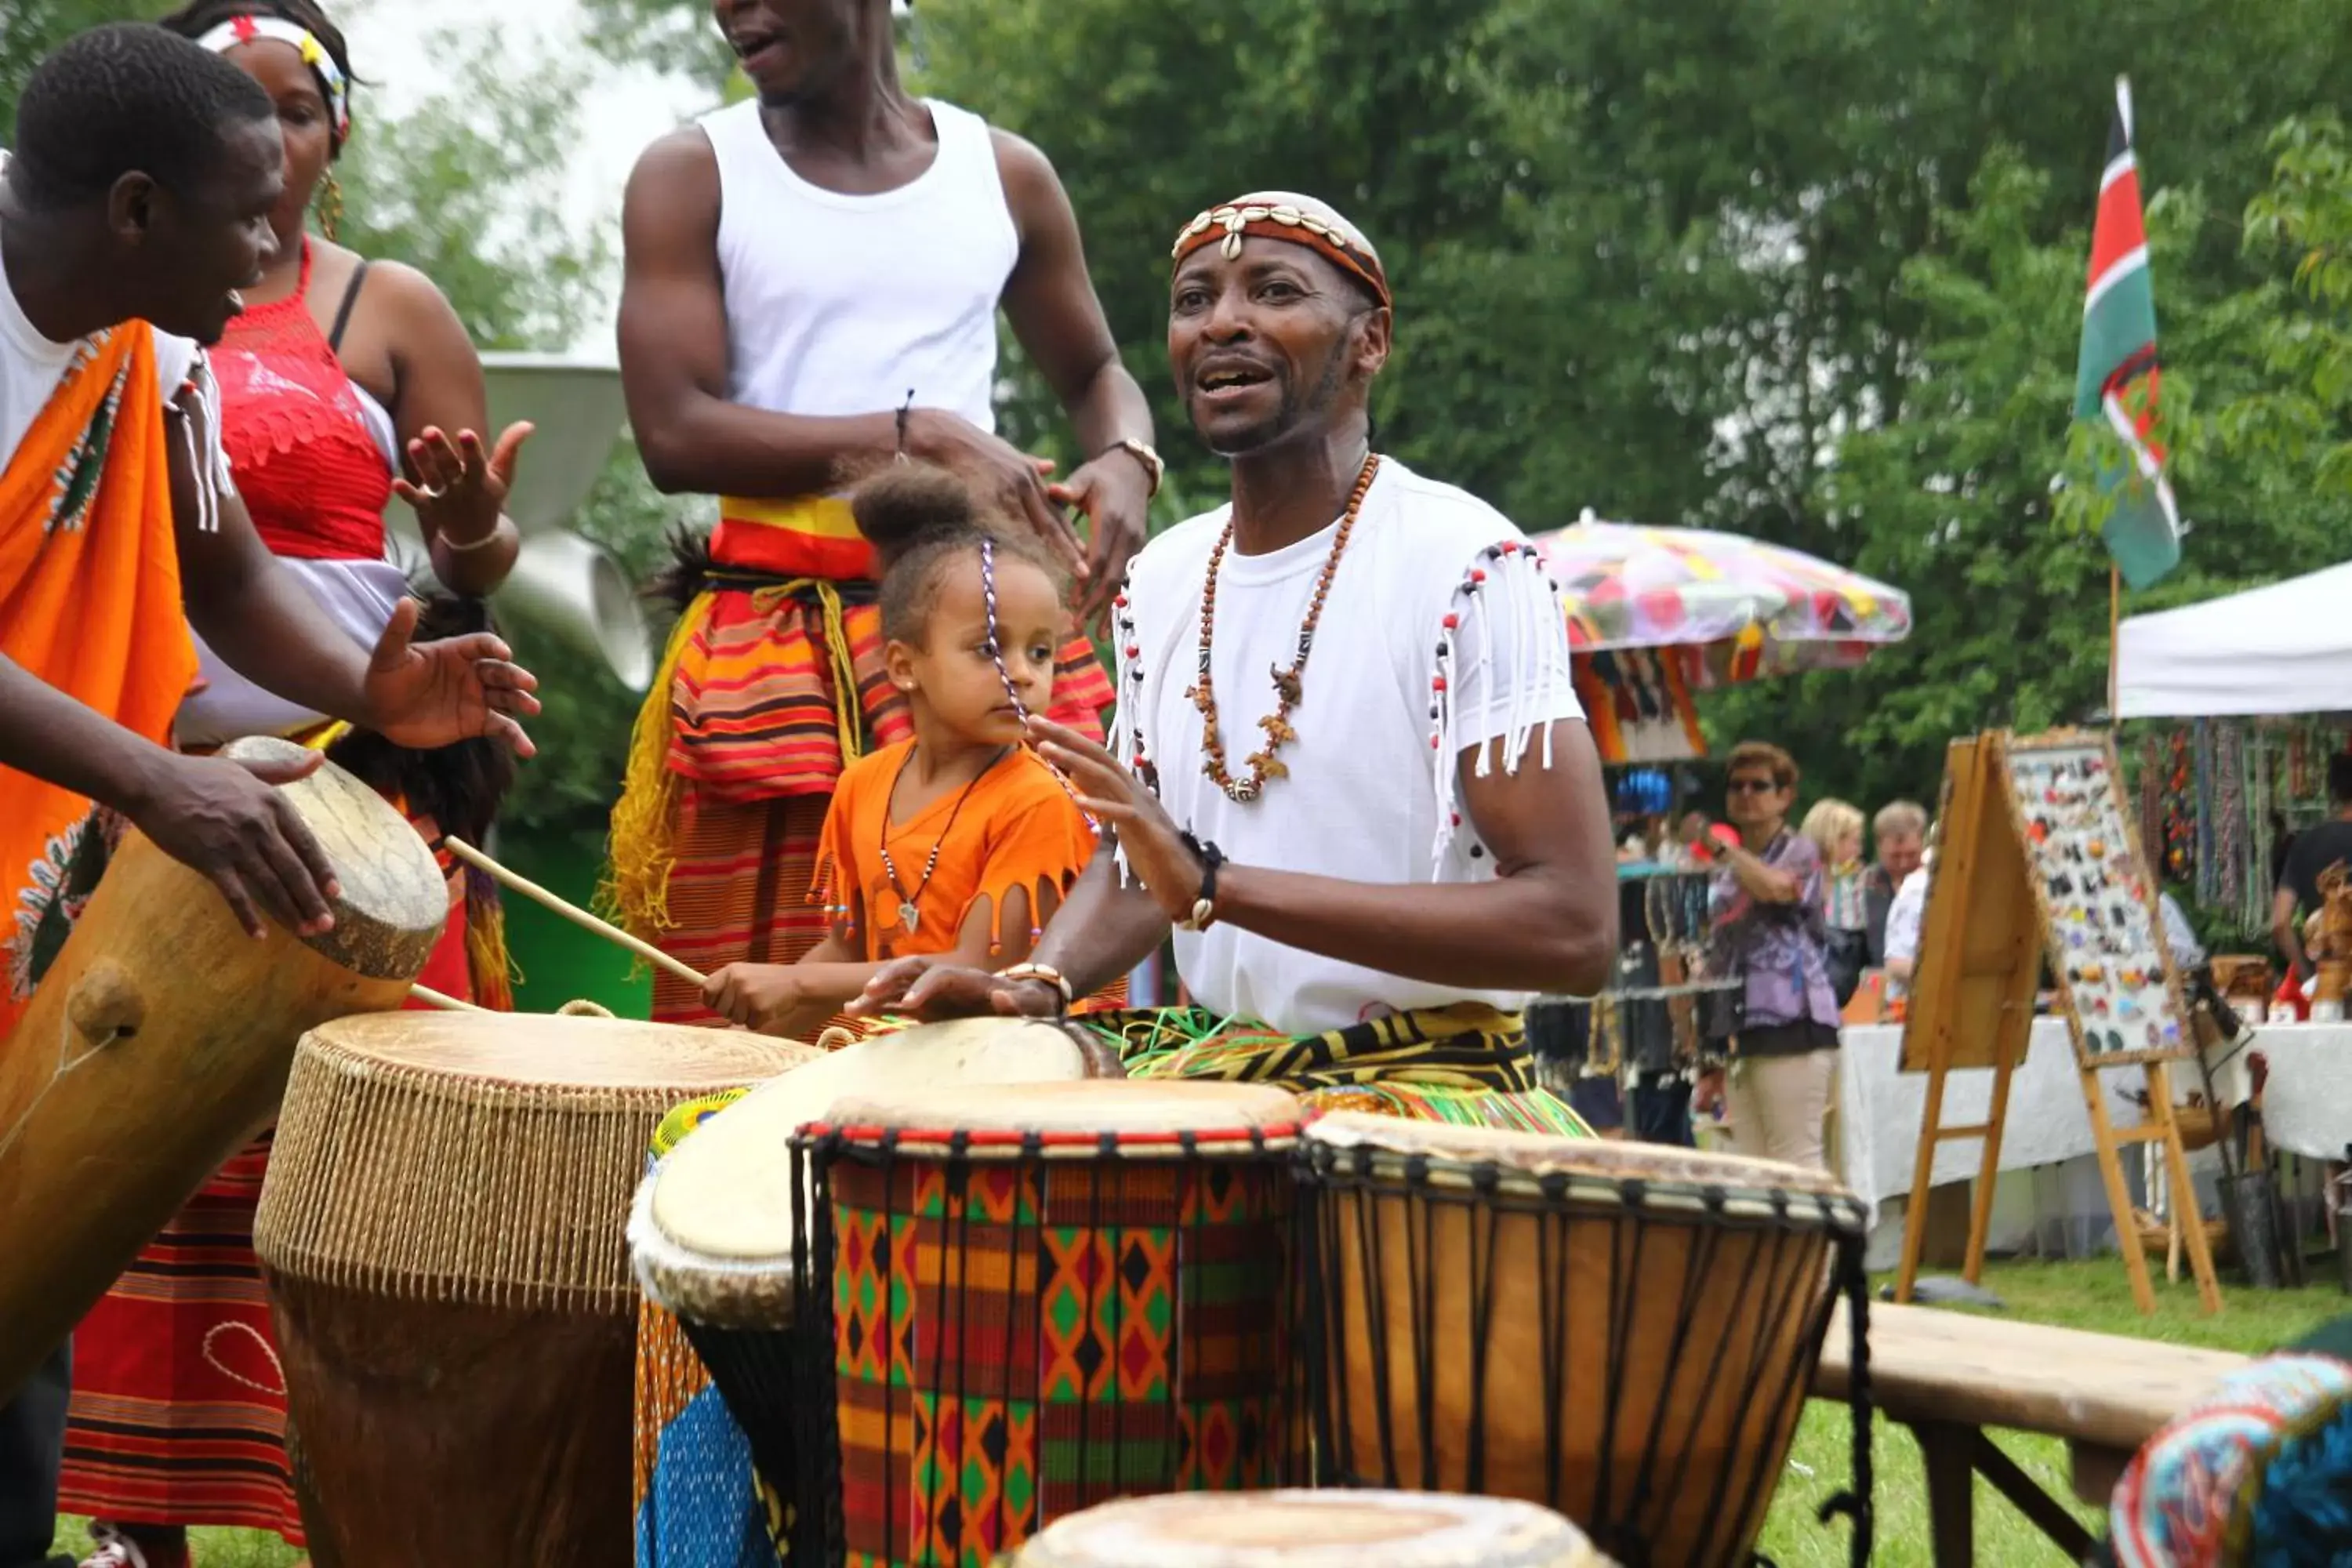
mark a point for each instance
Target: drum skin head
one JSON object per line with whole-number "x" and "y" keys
{"x": 1124, "y": 1106}
{"x": 1538, "y": 1153}
{"x": 1312, "y": 1530}
{"x": 393, "y": 900}
{"x": 553, "y": 1053}
{"x": 726, "y": 1191}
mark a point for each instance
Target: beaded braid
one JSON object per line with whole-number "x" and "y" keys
{"x": 996, "y": 653}
{"x": 1507, "y": 578}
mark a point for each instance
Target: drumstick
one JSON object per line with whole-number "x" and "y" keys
{"x": 432, "y": 998}
{"x": 577, "y": 916}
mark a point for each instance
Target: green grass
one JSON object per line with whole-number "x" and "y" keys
{"x": 2090, "y": 1295}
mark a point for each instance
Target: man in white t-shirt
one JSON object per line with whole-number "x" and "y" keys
{"x": 1349, "y": 766}
{"x": 136, "y": 203}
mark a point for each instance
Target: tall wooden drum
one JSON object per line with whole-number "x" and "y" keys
{"x": 1312, "y": 1530}
{"x": 442, "y": 1232}
{"x": 1035, "y": 1297}
{"x": 1623, "y": 1333}
{"x": 158, "y": 1044}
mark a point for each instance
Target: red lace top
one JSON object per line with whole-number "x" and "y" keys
{"x": 297, "y": 433}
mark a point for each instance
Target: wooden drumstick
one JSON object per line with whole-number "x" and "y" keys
{"x": 572, "y": 912}
{"x": 432, "y": 998}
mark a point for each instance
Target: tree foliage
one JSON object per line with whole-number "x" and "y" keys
{"x": 1811, "y": 269}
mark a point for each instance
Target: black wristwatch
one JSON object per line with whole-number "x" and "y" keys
{"x": 1204, "y": 903}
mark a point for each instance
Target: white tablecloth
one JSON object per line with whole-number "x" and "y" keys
{"x": 1880, "y": 1109}
{"x": 2307, "y": 1101}
{"x": 2306, "y": 1104}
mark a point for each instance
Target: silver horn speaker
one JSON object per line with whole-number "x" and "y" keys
{"x": 561, "y": 585}
{"x": 565, "y": 586}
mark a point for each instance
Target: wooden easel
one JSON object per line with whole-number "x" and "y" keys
{"x": 1987, "y": 927}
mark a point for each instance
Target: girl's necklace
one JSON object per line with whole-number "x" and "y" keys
{"x": 909, "y": 914}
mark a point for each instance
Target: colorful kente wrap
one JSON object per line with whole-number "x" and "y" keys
{"x": 1293, "y": 220}
{"x": 1017, "y": 1339}
{"x": 699, "y": 1503}
{"x": 2260, "y": 1474}
{"x": 1468, "y": 1063}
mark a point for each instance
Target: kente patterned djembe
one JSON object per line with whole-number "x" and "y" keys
{"x": 1039, "y": 1298}
{"x": 1623, "y": 1333}
{"x": 712, "y": 1235}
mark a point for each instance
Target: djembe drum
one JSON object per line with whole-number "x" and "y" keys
{"x": 1036, "y": 1298}
{"x": 442, "y": 1234}
{"x": 1621, "y": 1331}
{"x": 713, "y": 1230}
{"x": 157, "y": 1045}
{"x": 1312, "y": 1530}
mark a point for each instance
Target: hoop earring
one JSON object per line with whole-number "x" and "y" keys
{"x": 330, "y": 203}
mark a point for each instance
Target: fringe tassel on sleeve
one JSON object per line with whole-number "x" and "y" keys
{"x": 1501, "y": 601}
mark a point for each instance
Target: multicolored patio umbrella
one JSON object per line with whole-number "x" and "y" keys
{"x": 1654, "y": 614}
{"x": 1755, "y": 608}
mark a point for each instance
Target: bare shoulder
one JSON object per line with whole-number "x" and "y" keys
{"x": 679, "y": 160}
{"x": 1032, "y": 189}
{"x": 672, "y": 196}
{"x": 396, "y": 291}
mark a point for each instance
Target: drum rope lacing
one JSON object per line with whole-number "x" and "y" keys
{"x": 1484, "y": 1192}
{"x": 972, "y": 1155}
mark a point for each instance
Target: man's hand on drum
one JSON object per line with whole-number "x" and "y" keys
{"x": 426, "y": 695}
{"x": 229, "y": 821}
{"x": 935, "y": 988}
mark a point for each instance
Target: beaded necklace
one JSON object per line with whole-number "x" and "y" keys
{"x": 909, "y": 914}
{"x": 1288, "y": 687}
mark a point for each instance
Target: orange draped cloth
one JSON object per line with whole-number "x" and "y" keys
{"x": 1015, "y": 826}
{"x": 90, "y": 603}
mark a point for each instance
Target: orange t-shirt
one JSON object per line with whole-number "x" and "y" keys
{"x": 1016, "y": 827}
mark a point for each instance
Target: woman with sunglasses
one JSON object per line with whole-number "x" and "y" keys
{"x": 1767, "y": 903}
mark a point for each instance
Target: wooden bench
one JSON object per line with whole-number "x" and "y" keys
{"x": 1949, "y": 1376}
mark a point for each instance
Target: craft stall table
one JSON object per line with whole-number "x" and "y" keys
{"x": 1949, "y": 1376}
{"x": 2307, "y": 1100}
{"x": 1880, "y": 1108}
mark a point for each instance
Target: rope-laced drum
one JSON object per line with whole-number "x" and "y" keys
{"x": 443, "y": 1236}
{"x": 1623, "y": 1333}
{"x": 1312, "y": 1530}
{"x": 713, "y": 1227}
{"x": 1038, "y": 1297}
{"x": 157, "y": 1045}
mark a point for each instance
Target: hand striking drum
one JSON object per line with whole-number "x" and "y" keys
{"x": 158, "y": 1044}
{"x": 442, "y": 1233}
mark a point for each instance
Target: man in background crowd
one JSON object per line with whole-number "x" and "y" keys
{"x": 1901, "y": 831}
{"x": 2316, "y": 849}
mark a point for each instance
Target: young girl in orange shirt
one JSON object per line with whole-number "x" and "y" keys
{"x": 959, "y": 840}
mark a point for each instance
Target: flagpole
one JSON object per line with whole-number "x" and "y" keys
{"x": 2115, "y": 641}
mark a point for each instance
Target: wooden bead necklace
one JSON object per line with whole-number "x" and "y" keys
{"x": 1287, "y": 683}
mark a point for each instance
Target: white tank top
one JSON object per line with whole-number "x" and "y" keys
{"x": 839, "y": 304}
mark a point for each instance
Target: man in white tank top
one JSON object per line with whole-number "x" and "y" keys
{"x": 812, "y": 283}
{"x": 1376, "y": 856}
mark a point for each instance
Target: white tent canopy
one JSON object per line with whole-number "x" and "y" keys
{"x": 2286, "y": 649}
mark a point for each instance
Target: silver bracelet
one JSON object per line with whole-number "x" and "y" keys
{"x": 472, "y": 546}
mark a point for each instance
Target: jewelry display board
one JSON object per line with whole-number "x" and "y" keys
{"x": 2114, "y": 973}
{"x": 2040, "y": 862}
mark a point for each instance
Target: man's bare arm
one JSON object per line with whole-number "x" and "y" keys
{"x": 1548, "y": 923}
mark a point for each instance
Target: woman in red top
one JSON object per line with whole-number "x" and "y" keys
{"x": 341, "y": 384}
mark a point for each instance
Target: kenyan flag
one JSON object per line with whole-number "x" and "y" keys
{"x": 2116, "y": 377}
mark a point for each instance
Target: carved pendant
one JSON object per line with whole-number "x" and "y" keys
{"x": 910, "y": 916}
